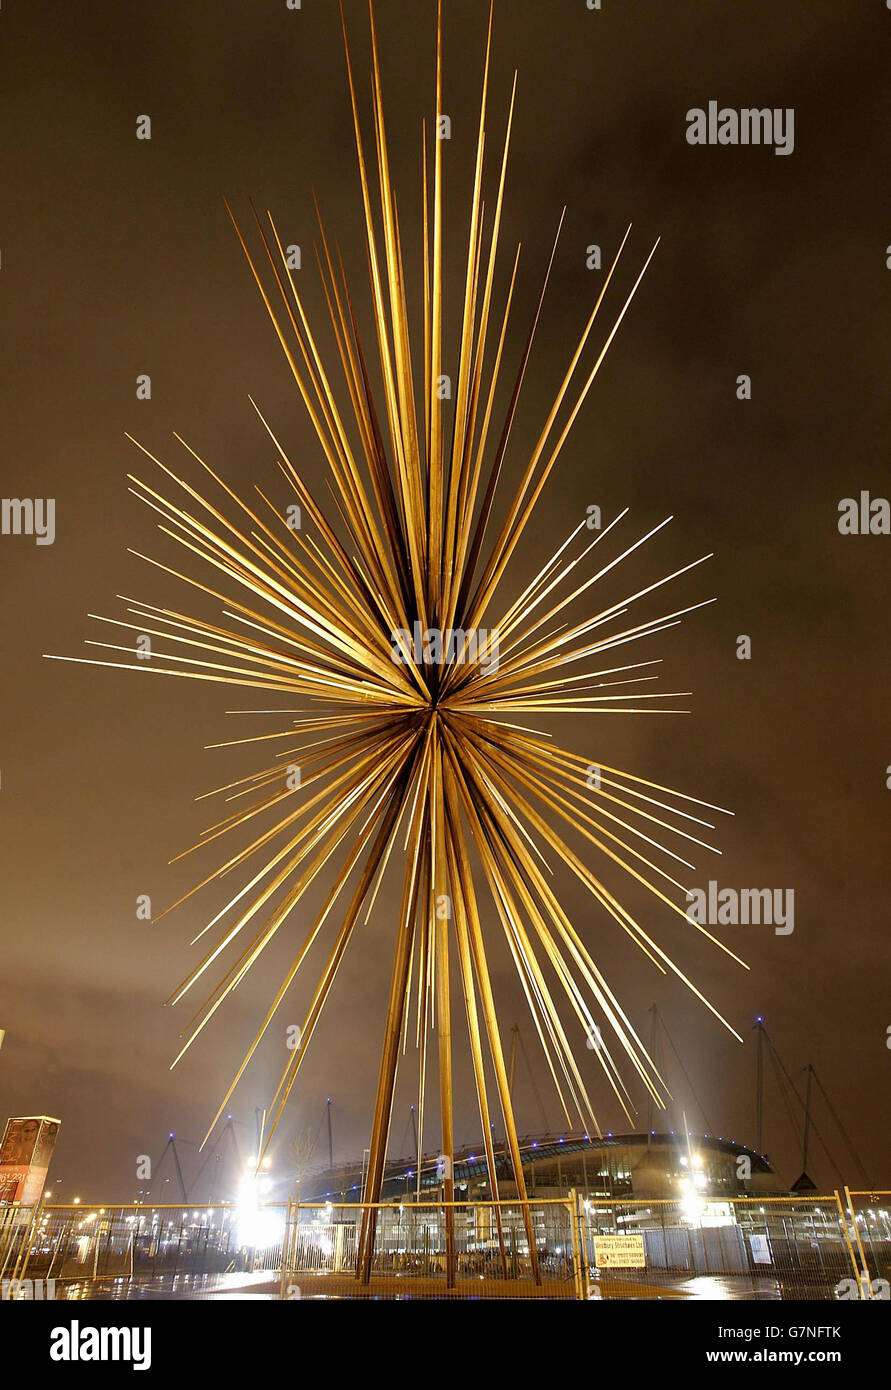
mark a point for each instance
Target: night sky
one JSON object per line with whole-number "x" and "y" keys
{"x": 118, "y": 259}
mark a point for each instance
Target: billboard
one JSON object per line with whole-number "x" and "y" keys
{"x": 25, "y": 1153}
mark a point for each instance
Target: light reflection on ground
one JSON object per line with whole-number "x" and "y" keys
{"x": 178, "y": 1286}
{"x": 265, "y": 1285}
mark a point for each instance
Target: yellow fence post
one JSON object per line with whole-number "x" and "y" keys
{"x": 865, "y": 1281}
{"x": 844, "y": 1222}
{"x": 578, "y": 1265}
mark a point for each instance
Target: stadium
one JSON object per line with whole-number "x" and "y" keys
{"x": 659, "y": 1166}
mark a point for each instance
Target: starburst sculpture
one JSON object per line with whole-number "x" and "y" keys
{"x": 413, "y": 749}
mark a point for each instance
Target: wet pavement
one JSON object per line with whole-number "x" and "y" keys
{"x": 265, "y": 1284}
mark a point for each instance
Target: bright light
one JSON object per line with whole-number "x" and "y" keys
{"x": 692, "y": 1204}
{"x": 257, "y": 1228}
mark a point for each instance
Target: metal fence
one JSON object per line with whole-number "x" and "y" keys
{"x": 589, "y": 1248}
{"x": 577, "y": 1247}
{"x": 139, "y": 1243}
{"x": 412, "y": 1250}
{"x": 753, "y": 1247}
